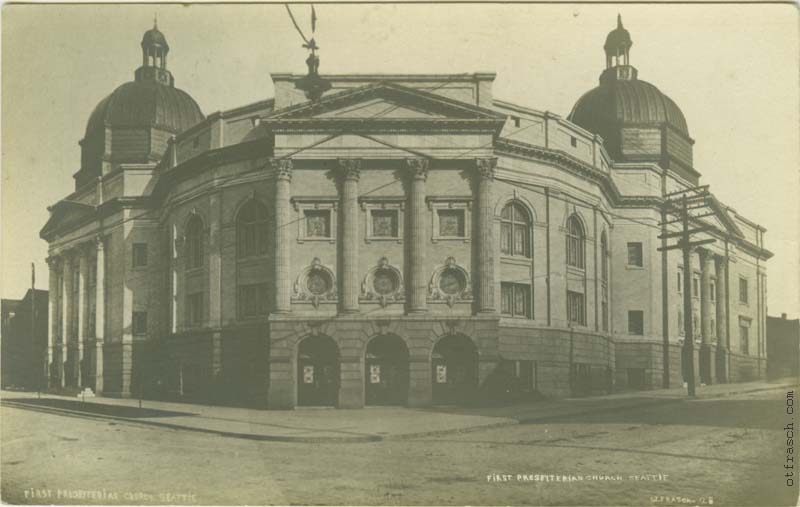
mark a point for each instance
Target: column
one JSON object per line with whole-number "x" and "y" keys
{"x": 418, "y": 169}
{"x": 215, "y": 287}
{"x": 100, "y": 314}
{"x": 175, "y": 246}
{"x": 83, "y": 314}
{"x": 52, "y": 318}
{"x": 486, "y": 246}
{"x": 722, "y": 318}
{"x": 283, "y": 189}
{"x": 349, "y": 170}
{"x": 706, "y": 266}
{"x": 66, "y": 314}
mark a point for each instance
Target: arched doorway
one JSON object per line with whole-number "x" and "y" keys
{"x": 386, "y": 371}
{"x": 454, "y": 370}
{"x": 317, "y": 372}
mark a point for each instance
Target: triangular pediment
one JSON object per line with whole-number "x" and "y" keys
{"x": 379, "y": 107}
{"x": 385, "y": 100}
{"x": 63, "y": 214}
{"x": 720, "y": 218}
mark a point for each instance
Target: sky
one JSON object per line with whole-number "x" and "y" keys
{"x": 733, "y": 70}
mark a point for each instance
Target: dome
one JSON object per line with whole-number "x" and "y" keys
{"x": 133, "y": 123}
{"x": 638, "y": 123}
{"x": 153, "y": 37}
{"x": 612, "y": 105}
{"x": 145, "y": 104}
{"x": 618, "y": 38}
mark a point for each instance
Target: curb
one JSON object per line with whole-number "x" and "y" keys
{"x": 378, "y": 438}
{"x": 229, "y": 434}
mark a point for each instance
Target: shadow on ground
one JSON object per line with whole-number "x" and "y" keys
{"x": 90, "y": 408}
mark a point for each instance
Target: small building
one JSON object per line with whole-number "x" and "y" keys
{"x": 783, "y": 347}
{"x": 23, "y": 341}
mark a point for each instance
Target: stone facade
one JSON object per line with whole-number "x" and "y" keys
{"x": 403, "y": 239}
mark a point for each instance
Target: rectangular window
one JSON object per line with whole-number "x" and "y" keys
{"x": 680, "y": 281}
{"x": 605, "y": 316}
{"x": 713, "y": 290}
{"x": 139, "y": 255}
{"x": 573, "y": 141}
{"x": 384, "y": 223}
{"x": 451, "y": 223}
{"x": 318, "y": 223}
{"x": 252, "y": 300}
{"x": 576, "y": 311}
{"x": 743, "y": 294}
{"x": 515, "y": 299}
{"x": 635, "y": 254}
{"x": 636, "y": 322}
{"x": 744, "y": 336}
{"x": 695, "y": 325}
{"x": 695, "y": 287}
{"x": 194, "y": 308}
{"x": 139, "y": 323}
{"x": 681, "y": 331}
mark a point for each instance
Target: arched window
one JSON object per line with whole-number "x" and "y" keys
{"x": 515, "y": 230}
{"x": 194, "y": 243}
{"x": 251, "y": 230}
{"x": 575, "y": 243}
{"x": 604, "y": 257}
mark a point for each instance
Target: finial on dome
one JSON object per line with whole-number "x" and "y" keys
{"x": 619, "y": 20}
{"x": 155, "y": 21}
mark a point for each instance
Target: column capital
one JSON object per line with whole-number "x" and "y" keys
{"x": 349, "y": 168}
{"x": 283, "y": 168}
{"x": 99, "y": 242}
{"x": 418, "y": 167}
{"x": 67, "y": 255}
{"x": 53, "y": 261}
{"x": 486, "y": 167}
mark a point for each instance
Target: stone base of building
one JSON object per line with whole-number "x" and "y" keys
{"x": 744, "y": 368}
{"x": 350, "y": 362}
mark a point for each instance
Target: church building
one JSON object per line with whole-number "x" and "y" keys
{"x": 400, "y": 239}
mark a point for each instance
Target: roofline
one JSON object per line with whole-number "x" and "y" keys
{"x": 479, "y": 76}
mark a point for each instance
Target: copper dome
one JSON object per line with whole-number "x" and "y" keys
{"x": 145, "y": 104}
{"x": 614, "y": 104}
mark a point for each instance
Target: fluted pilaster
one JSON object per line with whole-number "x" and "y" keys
{"x": 83, "y": 314}
{"x": 722, "y": 301}
{"x": 706, "y": 267}
{"x": 283, "y": 192}
{"x": 52, "y": 313}
{"x": 418, "y": 170}
{"x": 486, "y": 172}
{"x": 66, "y": 313}
{"x": 349, "y": 171}
{"x": 100, "y": 313}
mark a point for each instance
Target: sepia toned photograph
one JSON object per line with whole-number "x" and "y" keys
{"x": 400, "y": 254}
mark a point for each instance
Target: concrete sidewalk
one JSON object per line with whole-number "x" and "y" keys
{"x": 371, "y": 424}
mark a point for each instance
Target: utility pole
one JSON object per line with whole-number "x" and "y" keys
{"x": 680, "y": 204}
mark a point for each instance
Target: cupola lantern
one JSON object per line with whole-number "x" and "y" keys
{"x": 154, "y": 58}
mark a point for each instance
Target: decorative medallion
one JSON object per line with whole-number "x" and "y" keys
{"x": 383, "y": 283}
{"x": 450, "y": 283}
{"x": 315, "y": 283}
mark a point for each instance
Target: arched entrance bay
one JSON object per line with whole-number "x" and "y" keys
{"x": 317, "y": 372}
{"x": 454, "y": 366}
{"x": 386, "y": 371}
